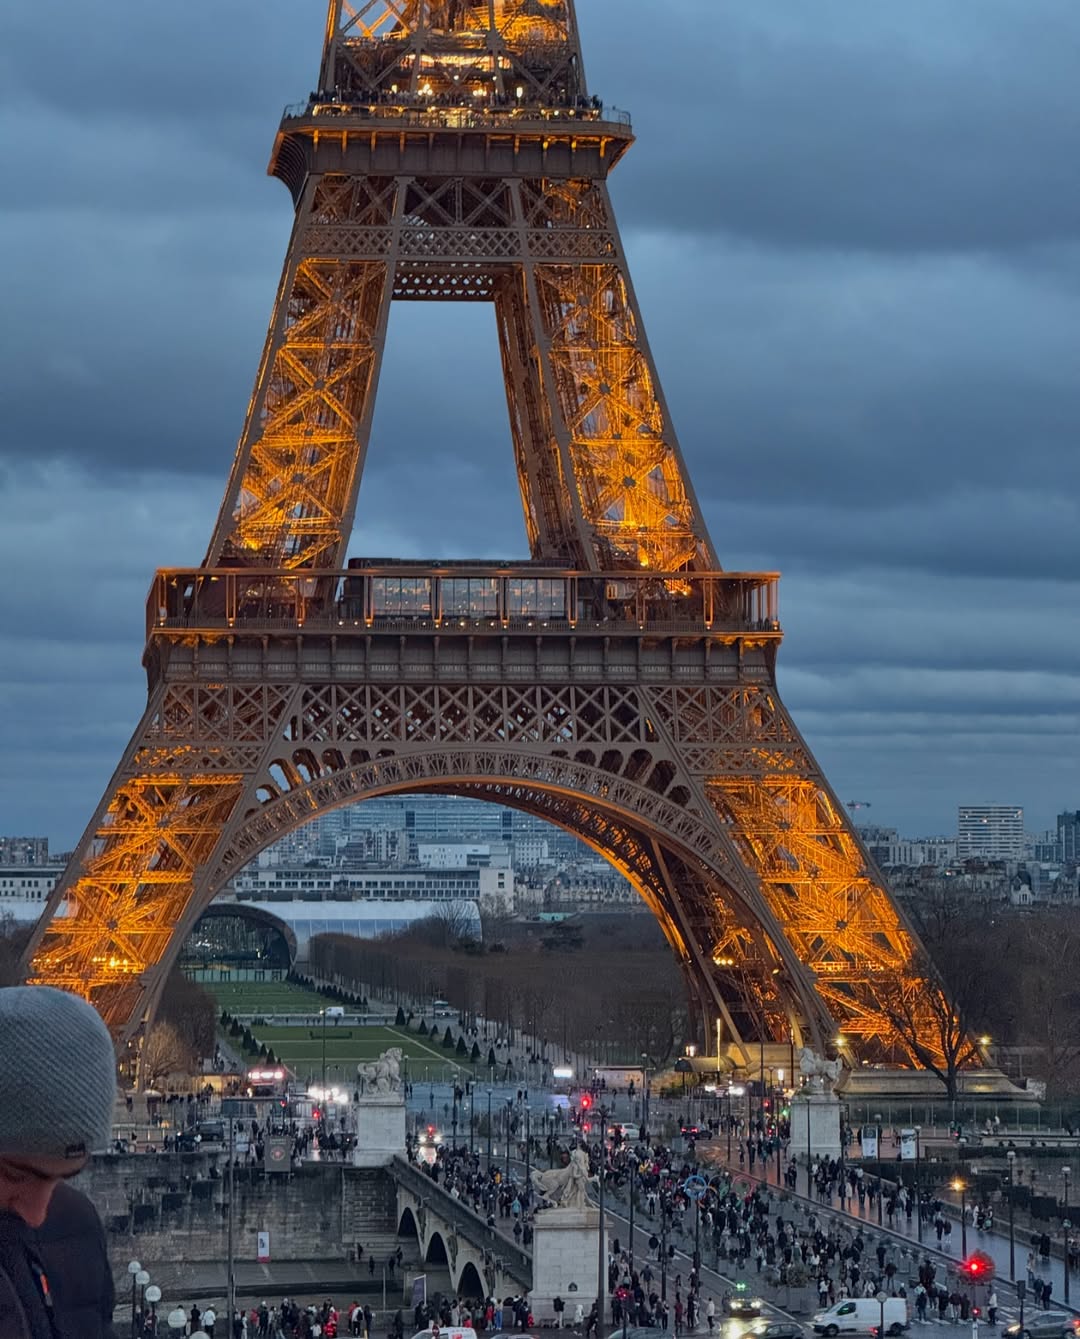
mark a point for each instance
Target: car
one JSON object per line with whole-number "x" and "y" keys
{"x": 629, "y": 1134}
{"x": 772, "y": 1329}
{"x": 743, "y": 1306}
{"x": 696, "y": 1132}
{"x": 1045, "y": 1325}
{"x": 430, "y": 1135}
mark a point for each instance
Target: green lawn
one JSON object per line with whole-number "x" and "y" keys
{"x": 265, "y": 997}
{"x": 300, "y": 1047}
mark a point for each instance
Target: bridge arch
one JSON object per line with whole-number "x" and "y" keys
{"x": 435, "y": 1251}
{"x": 470, "y": 1285}
{"x": 407, "y": 1226}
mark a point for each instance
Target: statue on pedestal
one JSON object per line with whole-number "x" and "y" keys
{"x": 380, "y": 1077}
{"x": 820, "y": 1074}
{"x": 565, "y": 1187}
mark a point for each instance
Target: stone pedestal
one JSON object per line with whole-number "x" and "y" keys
{"x": 380, "y": 1129}
{"x": 823, "y": 1126}
{"x": 565, "y": 1251}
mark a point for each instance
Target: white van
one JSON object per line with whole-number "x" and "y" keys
{"x": 335, "y": 1011}
{"x": 447, "y": 1332}
{"x": 861, "y": 1315}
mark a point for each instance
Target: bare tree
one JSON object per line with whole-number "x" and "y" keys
{"x": 14, "y": 937}
{"x": 952, "y": 990}
{"x": 164, "y": 1052}
{"x": 191, "y": 1010}
{"x": 1049, "y": 998}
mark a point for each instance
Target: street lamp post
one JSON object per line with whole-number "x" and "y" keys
{"x": 134, "y": 1268}
{"x": 323, "y": 1012}
{"x": 918, "y": 1183}
{"x": 528, "y": 1154}
{"x": 601, "y": 1263}
{"x": 632, "y": 1161}
{"x": 961, "y": 1185}
{"x": 663, "y": 1250}
{"x": 1066, "y": 1172}
{"x": 509, "y": 1104}
{"x": 142, "y": 1278}
{"x": 1011, "y": 1155}
{"x": 809, "y": 1174}
{"x": 697, "y": 1236}
{"x": 881, "y": 1298}
{"x": 453, "y": 1122}
{"x": 644, "y": 1094}
{"x": 489, "y": 1132}
{"x": 153, "y": 1296}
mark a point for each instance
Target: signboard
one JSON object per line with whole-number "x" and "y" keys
{"x": 870, "y": 1141}
{"x": 907, "y": 1145}
{"x": 419, "y": 1289}
{"x": 263, "y": 1252}
{"x": 277, "y": 1154}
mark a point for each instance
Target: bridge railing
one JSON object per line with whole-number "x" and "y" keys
{"x": 402, "y": 597}
{"x": 516, "y": 1261}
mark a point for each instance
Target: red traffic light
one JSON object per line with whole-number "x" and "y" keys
{"x": 586, "y": 1101}
{"x": 586, "y": 1126}
{"x": 978, "y": 1266}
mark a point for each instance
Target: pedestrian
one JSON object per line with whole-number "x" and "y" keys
{"x": 558, "y": 1306}
{"x": 57, "y": 1098}
{"x": 992, "y": 1307}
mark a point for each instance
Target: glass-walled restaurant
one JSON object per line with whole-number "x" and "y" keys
{"x": 409, "y": 595}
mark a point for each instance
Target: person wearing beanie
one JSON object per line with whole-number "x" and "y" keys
{"x": 57, "y": 1095}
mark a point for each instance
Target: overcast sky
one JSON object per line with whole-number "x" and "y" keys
{"x": 854, "y": 228}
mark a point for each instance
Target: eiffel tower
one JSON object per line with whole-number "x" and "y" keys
{"x": 618, "y": 682}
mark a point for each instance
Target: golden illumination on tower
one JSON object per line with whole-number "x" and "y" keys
{"x": 619, "y": 683}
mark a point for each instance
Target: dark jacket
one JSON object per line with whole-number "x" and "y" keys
{"x": 63, "y": 1260}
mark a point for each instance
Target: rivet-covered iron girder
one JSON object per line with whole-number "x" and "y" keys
{"x": 620, "y": 684}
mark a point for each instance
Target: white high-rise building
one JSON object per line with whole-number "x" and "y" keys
{"x": 992, "y": 831}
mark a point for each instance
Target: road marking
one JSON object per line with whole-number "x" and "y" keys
{"x": 705, "y": 1269}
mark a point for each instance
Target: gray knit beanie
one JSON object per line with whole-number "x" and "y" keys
{"x": 57, "y": 1075}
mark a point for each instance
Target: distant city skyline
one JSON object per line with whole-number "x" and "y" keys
{"x": 869, "y": 357}
{"x": 864, "y": 817}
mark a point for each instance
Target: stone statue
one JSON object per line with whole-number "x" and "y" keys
{"x": 381, "y": 1076}
{"x": 565, "y": 1187}
{"x": 820, "y": 1074}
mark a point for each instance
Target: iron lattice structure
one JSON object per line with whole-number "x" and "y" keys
{"x": 619, "y": 683}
